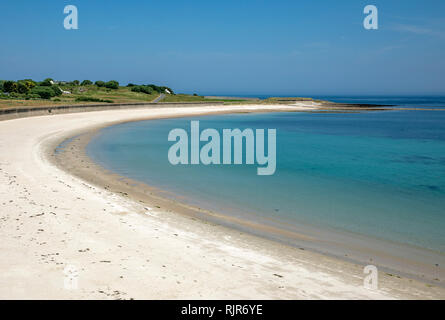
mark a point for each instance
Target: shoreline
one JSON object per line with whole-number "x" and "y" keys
{"x": 232, "y": 264}
{"x": 9, "y": 113}
{"x": 390, "y": 257}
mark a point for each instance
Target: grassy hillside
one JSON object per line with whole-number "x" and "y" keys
{"x": 194, "y": 98}
{"x": 28, "y": 93}
{"x": 89, "y": 94}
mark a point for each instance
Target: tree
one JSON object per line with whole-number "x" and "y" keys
{"x": 44, "y": 92}
{"x": 155, "y": 88}
{"x": 57, "y": 91}
{"x": 143, "y": 89}
{"x": 86, "y": 83}
{"x": 113, "y": 84}
{"x": 22, "y": 87}
{"x": 10, "y": 86}
{"x": 29, "y": 83}
{"x": 100, "y": 83}
{"x": 136, "y": 89}
{"x": 47, "y": 82}
{"x": 147, "y": 90}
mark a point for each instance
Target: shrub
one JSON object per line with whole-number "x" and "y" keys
{"x": 86, "y": 83}
{"x": 147, "y": 90}
{"x": 136, "y": 89}
{"x": 10, "y": 86}
{"x": 100, "y": 83}
{"x": 46, "y": 83}
{"x": 29, "y": 83}
{"x": 155, "y": 88}
{"x": 143, "y": 89}
{"x": 15, "y": 95}
{"x": 57, "y": 91}
{"x": 112, "y": 84}
{"x": 25, "y": 86}
{"x": 22, "y": 87}
{"x": 131, "y": 85}
{"x": 44, "y": 92}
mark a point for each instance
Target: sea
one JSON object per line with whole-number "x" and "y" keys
{"x": 377, "y": 175}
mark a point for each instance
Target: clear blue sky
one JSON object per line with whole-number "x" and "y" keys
{"x": 304, "y": 47}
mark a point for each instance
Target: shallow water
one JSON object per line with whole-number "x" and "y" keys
{"x": 379, "y": 174}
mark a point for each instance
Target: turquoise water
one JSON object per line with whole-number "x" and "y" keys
{"x": 379, "y": 174}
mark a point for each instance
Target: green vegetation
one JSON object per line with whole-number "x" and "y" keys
{"x": 196, "y": 98}
{"x": 50, "y": 92}
{"x": 27, "y": 92}
{"x": 86, "y": 83}
{"x": 143, "y": 89}
{"x": 112, "y": 84}
{"x": 45, "y": 92}
{"x": 184, "y": 98}
{"x": 47, "y": 82}
{"x": 149, "y": 88}
{"x": 91, "y": 99}
{"x": 28, "y": 89}
{"x": 286, "y": 100}
{"x": 9, "y": 86}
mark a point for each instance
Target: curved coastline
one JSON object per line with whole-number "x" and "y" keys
{"x": 393, "y": 258}
{"x": 221, "y": 256}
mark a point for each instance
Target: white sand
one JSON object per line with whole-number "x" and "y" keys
{"x": 50, "y": 219}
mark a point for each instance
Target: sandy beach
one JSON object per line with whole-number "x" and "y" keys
{"x": 123, "y": 248}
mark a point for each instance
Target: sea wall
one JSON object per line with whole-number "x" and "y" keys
{"x": 22, "y": 112}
